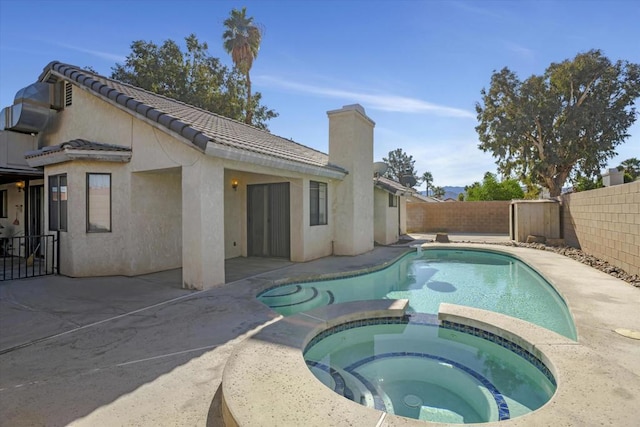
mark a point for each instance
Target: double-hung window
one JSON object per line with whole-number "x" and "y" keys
{"x": 318, "y": 202}
{"x": 393, "y": 201}
{"x": 58, "y": 202}
{"x": 98, "y": 202}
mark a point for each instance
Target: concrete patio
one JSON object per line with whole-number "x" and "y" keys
{"x": 142, "y": 351}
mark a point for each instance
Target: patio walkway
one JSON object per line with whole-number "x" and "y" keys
{"x": 132, "y": 350}
{"x": 142, "y": 351}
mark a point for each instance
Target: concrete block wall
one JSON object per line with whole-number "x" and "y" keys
{"x": 605, "y": 223}
{"x": 459, "y": 217}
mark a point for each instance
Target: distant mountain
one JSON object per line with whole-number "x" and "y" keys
{"x": 452, "y": 192}
{"x": 449, "y": 192}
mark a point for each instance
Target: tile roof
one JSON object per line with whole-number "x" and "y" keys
{"x": 76, "y": 144}
{"x": 195, "y": 124}
{"x": 391, "y": 186}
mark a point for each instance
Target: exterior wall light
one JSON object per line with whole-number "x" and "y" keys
{"x": 234, "y": 184}
{"x": 20, "y": 186}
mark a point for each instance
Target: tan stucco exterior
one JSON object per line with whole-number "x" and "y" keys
{"x": 351, "y": 147}
{"x": 170, "y": 202}
{"x": 173, "y": 204}
{"x": 386, "y": 218}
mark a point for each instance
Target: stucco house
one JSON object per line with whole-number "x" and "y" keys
{"x": 135, "y": 182}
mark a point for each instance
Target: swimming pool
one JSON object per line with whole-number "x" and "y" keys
{"x": 418, "y": 369}
{"x": 475, "y": 278}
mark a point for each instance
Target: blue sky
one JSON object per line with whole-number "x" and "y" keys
{"x": 416, "y": 66}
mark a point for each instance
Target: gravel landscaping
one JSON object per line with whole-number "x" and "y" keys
{"x": 584, "y": 258}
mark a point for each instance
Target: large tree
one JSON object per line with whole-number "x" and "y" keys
{"x": 438, "y": 192}
{"x": 568, "y": 120}
{"x": 401, "y": 167}
{"x": 427, "y": 178}
{"x": 242, "y": 40}
{"x": 193, "y": 77}
{"x": 631, "y": 169}
{"x": 492, "y": 189}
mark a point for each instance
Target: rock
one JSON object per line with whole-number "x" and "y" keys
{"x": 536, "y": 239}
{"x": 442, "y": 238}
{"x": 555, "y": 242}
{"x": 578, "y": 255}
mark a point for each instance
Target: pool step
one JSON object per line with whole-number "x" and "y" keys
{"x": 293, "y": 300}
{"x": 343, "y": 383}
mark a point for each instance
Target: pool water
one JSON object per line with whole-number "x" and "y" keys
{"x": 422, "y": 371}
{"x": 480, "y": 279}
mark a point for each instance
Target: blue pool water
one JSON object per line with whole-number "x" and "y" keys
{"x": 419, "y": 370}
{"x": 480, "y": 279}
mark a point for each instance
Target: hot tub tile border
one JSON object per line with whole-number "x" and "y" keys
{"x": 431, "y": 320}
{"x": 503, "y": 342}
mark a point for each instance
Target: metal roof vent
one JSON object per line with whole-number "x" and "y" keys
{"x": 68, "y": 92}
{"x": 30, "y": 111}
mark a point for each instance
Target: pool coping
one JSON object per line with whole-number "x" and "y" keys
{"x": 266, "y": 381}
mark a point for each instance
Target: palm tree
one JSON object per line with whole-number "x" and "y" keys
{"x": 242, "y": 41}
{"x": 631, "y": 169}
{"x": 427, "y": 178}
{"x": 438, "y": 192}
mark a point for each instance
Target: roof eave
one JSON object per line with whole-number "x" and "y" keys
{"x": 245, "y": 156}
{"x": 70, "y": 155}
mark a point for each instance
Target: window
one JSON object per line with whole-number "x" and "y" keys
{"x": 98, "y": 202}
{"x": 393, "y": 201}
{"x": 318, "y": 202}
{"x": 3, "y": 204}
{"x": 58, "y": 202}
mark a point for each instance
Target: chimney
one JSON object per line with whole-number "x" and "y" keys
{"x": 351, "y": 148}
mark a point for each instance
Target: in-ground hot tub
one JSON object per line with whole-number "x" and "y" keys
{"x": 411, "y": 366}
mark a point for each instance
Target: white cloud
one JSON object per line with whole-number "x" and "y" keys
{"x": 481, "y": 11}
{"x": 382, "y": 102}
{"x": 97, "y": 53}
{"x": 521, "y": 51}
{"x": 452, "y": 162}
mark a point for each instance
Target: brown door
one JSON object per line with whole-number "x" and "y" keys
{"x": 268, "y": 228}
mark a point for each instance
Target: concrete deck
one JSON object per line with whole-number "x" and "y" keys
{"x": 141, "y": 351}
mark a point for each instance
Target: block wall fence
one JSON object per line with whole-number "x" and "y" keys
{"x": 605, "y": 223}
{"x": 459, "y": 217}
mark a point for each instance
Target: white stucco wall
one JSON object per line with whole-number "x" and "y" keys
{"x": 403, "y": 215}
{"x": 146, "y": 207}
{"x": 13, "y": 145}
{"x": 203, "y": 224}
{"x": 172, "y": 205}
{"x": 318, "y": 238}
{"x": 15, "y": 209}
{"x": 156, "y": 221}
{"x": 385, "y": 219}
{"x": 307, "y": 242}
{"x": 351, "y": 147}
{"x": 93, "y": 254}
{"x": 88, "y": 118}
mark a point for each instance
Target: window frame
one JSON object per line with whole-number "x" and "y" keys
{"x": 88, "y": 204}
{"x": 316, "y": 207}
{"x": 4, "y": 203}
{"x": 61, "y": 214}
{"x": 393, "y": 200}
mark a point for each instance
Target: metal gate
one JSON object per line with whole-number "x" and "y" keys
{"x": 29, "y": 256}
